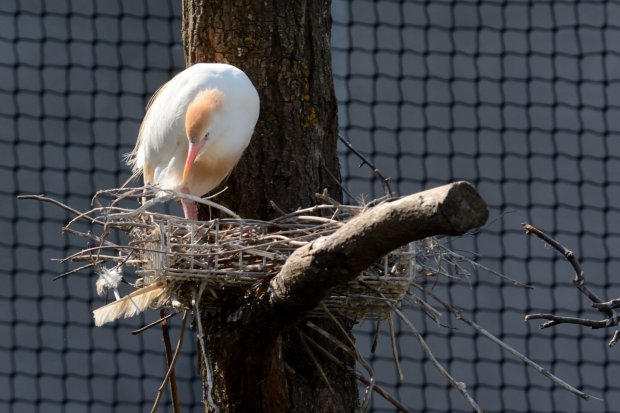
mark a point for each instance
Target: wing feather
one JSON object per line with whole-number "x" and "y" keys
{"x": 131, "y": 158}
{"x": 130, "y": 305}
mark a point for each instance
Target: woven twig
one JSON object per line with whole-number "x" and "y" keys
{"x": 230, "y": 255}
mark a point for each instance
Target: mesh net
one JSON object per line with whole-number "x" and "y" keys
{"x": 517, "y": 97}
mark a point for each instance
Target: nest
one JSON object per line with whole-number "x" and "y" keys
{"x": 227, "y": 256}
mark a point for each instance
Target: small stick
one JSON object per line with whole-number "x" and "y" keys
{"x": 375, "y": 337}
{"x": 459, "y": 316}
{"x": 607, "y": 305}
{"x": 83, "y": 267}
{"x": 203, "y": 348}
{"x": 401, "y": 376}
{"x": 386, "y": 181}
{"x": 172, "y": 363}
{"x": 153, "y": 324}
{"x": 485, "y": 268}
{"x": 459, "y": 386}
{"x": 350, "y": 349}
{"x": 579, "y": 280}
{"x": 276, "y": 208}
{"x": 43, "y": 198}
{"x": 174, "y": 196}
{"x": 174, "y": 391}
{"x": 555, "y": 320}
{"x": 315, "y": 361}
{"x": 379, "y": 390}
{"x": 339, "y": 183}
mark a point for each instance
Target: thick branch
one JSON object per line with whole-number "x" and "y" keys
{"x": 312, "y": 270}
{"x": 252, "y": 353}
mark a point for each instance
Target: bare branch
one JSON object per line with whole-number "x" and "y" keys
{"x": 312, "y": 270}
{"x": 377, "y": 389}
{"x": 365, "y": 161}
{"x": 174, "y": 390}
{"x": 607, "y": 305}
{"x": 43, "y": 198}
{"x": 459, "y": 386}
{"x": 554, "y": 320}
{"x": 614, "y": 339}
{"x": 153, "y": 324}
{"x": 459, "y": 315}
{"x": 579, "y": 280}
{"x": 172, "y": 363}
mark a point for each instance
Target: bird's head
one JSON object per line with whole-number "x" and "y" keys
{"x": 198, "y": 118}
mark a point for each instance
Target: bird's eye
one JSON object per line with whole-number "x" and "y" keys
{"x": 204, "y": 138}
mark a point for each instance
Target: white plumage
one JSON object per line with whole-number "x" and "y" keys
{"x": 195, "y": 130}
{"x": 130, "y": 305}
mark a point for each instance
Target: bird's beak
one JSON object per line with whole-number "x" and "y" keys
{"x": 192, "y": 153}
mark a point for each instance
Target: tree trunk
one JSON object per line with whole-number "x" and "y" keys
{"x": 283, "y": 46}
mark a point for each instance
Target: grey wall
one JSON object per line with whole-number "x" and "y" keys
{"x": 516, "y": 97}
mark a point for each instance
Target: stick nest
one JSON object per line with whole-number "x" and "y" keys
{"x": 227, "y": 256}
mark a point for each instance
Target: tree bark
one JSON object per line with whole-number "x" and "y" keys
{"x": 284, "y": 47}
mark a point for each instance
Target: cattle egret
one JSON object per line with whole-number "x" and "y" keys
{"x": 195, "y": 130}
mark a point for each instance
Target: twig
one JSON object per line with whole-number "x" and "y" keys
{"x": 459, "y": 316}
{"x": 73, "y": 271}
{"x": 459, "y": 386}
{"x": 487, "y": 269}
{"x": 308, "y": 351}
{"x": 614, "y": 339}
{"x": 172, "y": 363}
{"x": 205, "y": 356}
{"x": 153, "y": 324}
{"x": 339, "y": 183}
{"x": 378, "y": 389}
{"x": 43, "y": 198}
{"x": 384, "y": 179}
{"x": 401, "y": 376}
{"x": 607, "y": 305}
{"x": 276, "y": 208}
{"x": 350, "y": 349}
{"x": 579, "y": 280}
{"x": 174, "y": 391}
{"x": 375, "y": 337}
{"x": 173, "y": 196}
{"x": 555, "y": 320}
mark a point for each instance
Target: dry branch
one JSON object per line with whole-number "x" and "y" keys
{"x": 579, "y": 281}
{"x": 253, "y": 353}
{"x": 312, "y": 270}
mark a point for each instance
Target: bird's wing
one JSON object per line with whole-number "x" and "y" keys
{"x": 132, "y": 158}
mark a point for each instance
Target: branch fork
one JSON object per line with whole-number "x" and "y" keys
{"x": 606, "y": 307}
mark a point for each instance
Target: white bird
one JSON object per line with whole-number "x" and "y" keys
{"x": 195, "y": 130}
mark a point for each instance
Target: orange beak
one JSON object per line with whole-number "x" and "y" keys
{"x": 192, "y": 153}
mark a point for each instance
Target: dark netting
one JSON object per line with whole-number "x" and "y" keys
{"x": 520, "y": 98}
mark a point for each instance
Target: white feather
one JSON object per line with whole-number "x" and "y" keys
{"x": 130, "y": 305}
{"x": 109, "y": 279}
{"x": 162, "y": 141}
